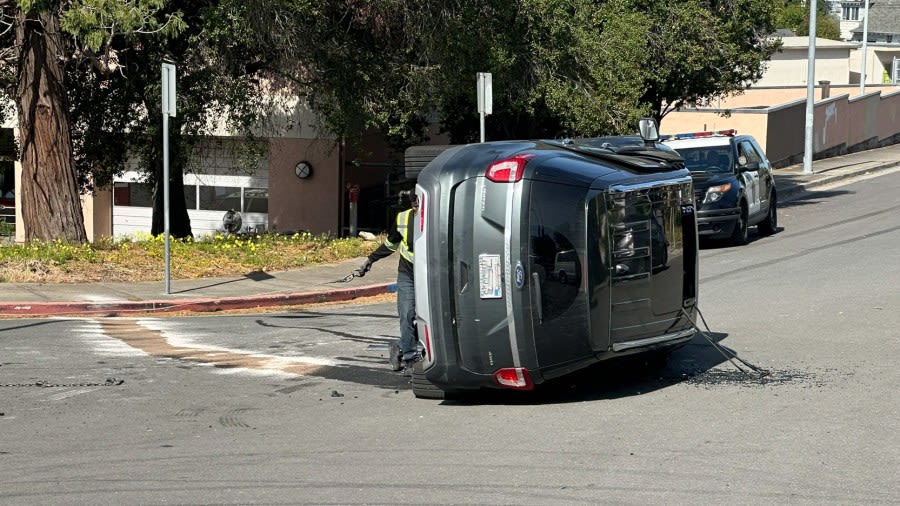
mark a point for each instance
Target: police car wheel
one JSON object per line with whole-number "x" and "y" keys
{"x": 739, "y": 234}
{"x": 770, "y": 225}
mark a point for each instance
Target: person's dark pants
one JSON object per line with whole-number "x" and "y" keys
{"x": 406, "y": 307}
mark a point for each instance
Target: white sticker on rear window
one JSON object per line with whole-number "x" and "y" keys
{"x": 489, "y": 282}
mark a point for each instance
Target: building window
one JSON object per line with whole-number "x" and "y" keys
{"x": 220, "y": 198}
{"x": 256, "y": 200}
{"x": 190, "y": 196}
{"x": 133, "y": 194}
{"x": 141, "y": 195}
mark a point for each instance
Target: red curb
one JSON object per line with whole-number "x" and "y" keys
{"x": 20, "y": 309}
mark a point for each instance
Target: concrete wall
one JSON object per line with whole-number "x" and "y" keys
{"x": 864, "y": 114}
{"x": 841, "y": 124}
{"x": 889, "y": 119}
{"x": 785, "y": 131}
{"x": 831, "y": 125}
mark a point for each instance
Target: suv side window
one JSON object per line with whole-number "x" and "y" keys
{"x": 747, "y": 150}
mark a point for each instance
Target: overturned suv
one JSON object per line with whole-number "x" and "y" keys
{"x": 733, "y": 184}
{"x": 538, "y": 258}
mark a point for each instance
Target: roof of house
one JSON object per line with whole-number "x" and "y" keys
{"x": 803, "y": 43}
{"x": 884, "y": 17}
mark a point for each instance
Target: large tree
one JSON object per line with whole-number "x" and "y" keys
{"x": 219, "y": 84}
{"x": 704, "y": 49}
{"x": 40, "y": 37}
{"x": 579, "y": 67}
{"x": 588, "y": 68}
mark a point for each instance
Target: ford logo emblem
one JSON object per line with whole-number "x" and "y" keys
{"x": 520, "y": 275}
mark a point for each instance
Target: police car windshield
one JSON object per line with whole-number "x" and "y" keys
{"x": 715, "y": 159}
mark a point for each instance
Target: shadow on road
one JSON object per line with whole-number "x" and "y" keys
{"x": 614, "y": 379}
{"x": 812, "y": 197}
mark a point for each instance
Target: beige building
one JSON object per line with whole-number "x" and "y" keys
{"x": 788, "y": 67}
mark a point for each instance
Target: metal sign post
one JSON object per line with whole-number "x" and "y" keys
{"x": 168, "y": 109}
{"x": 485, "y": 98}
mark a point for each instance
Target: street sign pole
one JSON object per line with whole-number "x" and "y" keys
{"x": 168, "y": 109}
{"x": 485, "y": 98}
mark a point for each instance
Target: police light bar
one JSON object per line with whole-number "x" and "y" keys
{"x": 698, "y": 135}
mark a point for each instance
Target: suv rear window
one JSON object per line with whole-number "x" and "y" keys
{"x": 557, "y": 248}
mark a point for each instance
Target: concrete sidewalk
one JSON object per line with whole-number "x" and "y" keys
{"x": 321, "y": 283}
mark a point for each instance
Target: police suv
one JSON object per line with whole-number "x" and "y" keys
{"x": 733, "y": 183}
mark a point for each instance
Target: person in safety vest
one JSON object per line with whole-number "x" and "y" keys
{"x": 400, "y": 238}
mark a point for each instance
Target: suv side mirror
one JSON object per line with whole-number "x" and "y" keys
{"x": 744, "y": 165}
{"x": 649, "y": 130}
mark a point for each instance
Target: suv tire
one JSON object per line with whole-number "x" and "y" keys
{"x": 770, "y": 224}
{"x": 739, "y": 234}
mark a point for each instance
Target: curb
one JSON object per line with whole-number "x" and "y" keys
{"x": 119, "y": 308}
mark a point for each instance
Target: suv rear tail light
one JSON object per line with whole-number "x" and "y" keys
{"x": 427, "y": 343}
{"x": 509, "y": 170}
{"x": 421, "y": 212}
{"x": 514, "y": 377}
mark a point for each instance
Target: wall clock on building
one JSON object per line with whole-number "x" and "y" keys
{"x": 303, "y": 170}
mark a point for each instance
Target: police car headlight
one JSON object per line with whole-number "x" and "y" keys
{"x": 715, "y": 193}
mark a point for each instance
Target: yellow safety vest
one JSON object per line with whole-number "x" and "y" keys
{"x": 403, "y": 229}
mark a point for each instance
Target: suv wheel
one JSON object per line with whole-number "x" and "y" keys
{"x": 770, "y": 225}
{"x": 739, "y": 235}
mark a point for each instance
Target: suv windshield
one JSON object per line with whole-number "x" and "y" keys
{"x": 708, "y": 159}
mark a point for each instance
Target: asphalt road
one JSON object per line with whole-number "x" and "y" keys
{"x": 299, "y": 408}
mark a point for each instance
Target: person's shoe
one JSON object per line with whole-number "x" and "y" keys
{"x": 408, "y": 366}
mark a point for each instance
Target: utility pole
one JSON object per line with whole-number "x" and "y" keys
{"x": 865, "y": 50}
{"x": 810, "y": 90}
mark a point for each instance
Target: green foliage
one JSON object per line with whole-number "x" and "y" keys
{"x": 55, "y": 252}
{"x": 794, "y": 15}
{"x": 704, "y": 49}
{"x": 95, "y": 22}
{"x": 589, "y": 63}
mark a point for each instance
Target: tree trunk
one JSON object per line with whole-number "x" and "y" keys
{"x": 51, "y": 206}
{"x": 179, "y": 220}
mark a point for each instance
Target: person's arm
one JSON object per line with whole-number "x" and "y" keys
{"x": 390, "y": 245}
